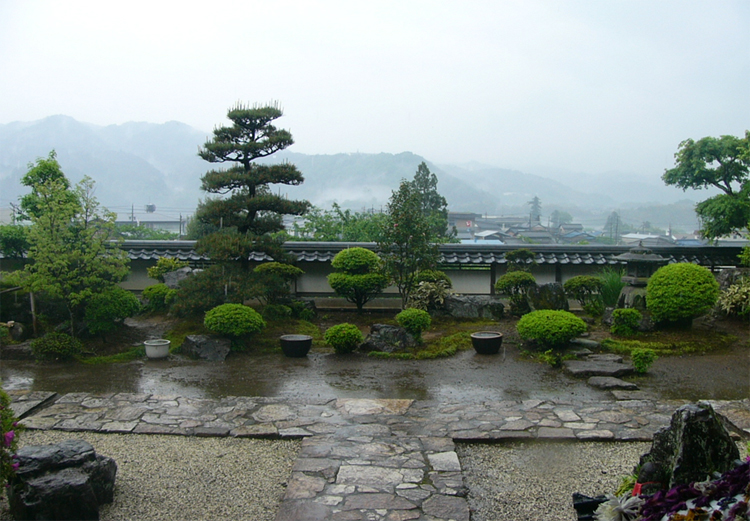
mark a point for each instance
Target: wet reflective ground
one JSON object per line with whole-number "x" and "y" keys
{"x": 466, "y": 377}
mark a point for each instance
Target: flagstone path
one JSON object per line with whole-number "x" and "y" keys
{"x": 389, "y": 460}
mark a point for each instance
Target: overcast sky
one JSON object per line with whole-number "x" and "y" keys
{"x": 586, "y": 86}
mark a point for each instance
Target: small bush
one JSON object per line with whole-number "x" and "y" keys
{"x": 159, "y": 297}
{"x": 516, "y": 284}
{"x": 586, "y": 290}
{"x": 233, "y": 320}
{"x": 429, "y": 295}
{"x": 275, "y": 279}
{"x": 680, "y": 292}
{"x": 9, "y": 428}
{"x": 550, "y": 328}
{"x": 276, "y": 312}
{"x": 359, "y": 276}
{"x": 414, "y": 321}
{"x": 642, "y": 359}
{"x": 56, "y": 347}
{"x": 433, "y": 276}
{"x": 105, "y": 311}
{"x": 735, "y": 300}
{"x": 165, "y": 265}
{"x": 521, "y": 259}
{"x": 625, "y": 321}
{"x": 344, "y": 338}
{"x": 301, "y": 310}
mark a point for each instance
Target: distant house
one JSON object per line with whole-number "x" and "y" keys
{"x": 577, "y": 237}
{"x": 154, "y": 221}
{"x": 646, "y": 239}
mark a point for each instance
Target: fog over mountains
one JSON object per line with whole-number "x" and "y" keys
{"x": 135, "y": 164}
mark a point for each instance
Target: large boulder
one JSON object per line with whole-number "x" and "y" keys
{"x": 207, "y": 347}
{"x": 473, "y": 306}
{"x": 694, "y": 446}
{"x": 173, "y": 278}
{"x": 68, "y": 480}
{"x": 388, "y": 339}
{"x": 548, "y": 296}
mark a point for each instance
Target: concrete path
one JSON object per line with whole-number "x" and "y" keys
{"x": 390, "y": 460}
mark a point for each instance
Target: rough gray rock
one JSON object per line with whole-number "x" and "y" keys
{"x": 20, "y": 351}
{"x": 474, "y": 306}
{"x": 388, "y": 339}
{"x": 586, "y": 368}
{"x": 63, "y": 481}
{"x": 694, "y": 446}
{"x": 548, "y": 296}
{"x": 173, "y": 278}
{"x": 609, "y": 383}
{"x": 206, "y": 347}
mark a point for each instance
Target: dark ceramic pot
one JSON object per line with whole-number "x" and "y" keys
{"x": 487, "y": 342}
{"x": 296, "y": 346}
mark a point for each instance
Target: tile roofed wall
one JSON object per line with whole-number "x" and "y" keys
{"x": 466, "y": 254}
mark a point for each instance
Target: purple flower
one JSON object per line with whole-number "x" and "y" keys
{"x": 9, "y": 438}
{"x": 15, "y": 466}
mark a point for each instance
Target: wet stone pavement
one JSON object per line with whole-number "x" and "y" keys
{"x": 366, "y": 459}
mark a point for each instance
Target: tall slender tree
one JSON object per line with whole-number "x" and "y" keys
{"x": 434, "y": 206}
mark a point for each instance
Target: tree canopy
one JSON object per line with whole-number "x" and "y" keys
{"x": 722, "y": 163}
{"x": 434, "y": 206}
{"x": 247, "y": 211}
{"x": 70, "y": 251}
{"x": 337, "y": 224}
{"x": 407, "y": 244}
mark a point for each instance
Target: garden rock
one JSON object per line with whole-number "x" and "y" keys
{"x": 173, "y": 278}
{"x": 388, "y": 339}
{"x": 548, "y": 296}
{"x": 20, "y": 351}
{"x": 609, "y": 383}
{"x": 473, "y": 306}
{"x": 63, "y": 481}
{"x": 694, "y": 446}
{"x": 593, "y": 367}
{"x": 207, "y": 347}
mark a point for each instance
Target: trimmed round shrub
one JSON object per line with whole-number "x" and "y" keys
{"x": 344, "y": 338}
{"x": 550, "y": 328}
{"x": 625, "y": 321}
{"x": 56, "y": 347}
{"x": 642, "y": 359}
{"x": 233, "y": 320}
{"x": 433, "y": 276}
{"x": 356, "y": 261}
{"x": 586, "y": 290}
{"x": 105, "y": 311}
{"x": 285, "y": 271}
{"x": 414, "y": 321}
{"x": 681, "y": 292}
{"x": 159, "y": 296}
{"x": 516, "y": 284}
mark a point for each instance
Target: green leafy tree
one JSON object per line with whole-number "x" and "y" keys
{"x": 406, "y": 244}
{"x": 722, "y": 163}
{"x": 245, "y": 211}
{"x": 434, "y": 206}
{"x": 13, "y": 240}
{"x": 559, "y": 218}
{"x": 43, "y": 172}
{"x": 340, "y": 225}
{"x": 358, "y": 276}
{"x": 72, "y": 257}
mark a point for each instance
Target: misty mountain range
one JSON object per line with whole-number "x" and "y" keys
{"x": 135, "y": 164}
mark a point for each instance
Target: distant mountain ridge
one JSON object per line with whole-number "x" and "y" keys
{"x": 139, "y": 163}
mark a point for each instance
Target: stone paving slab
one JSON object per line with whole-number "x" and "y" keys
{"x": 369, "y": 459}
{"x": 25, "y": 402}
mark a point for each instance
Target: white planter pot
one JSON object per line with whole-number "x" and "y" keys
{"x": 158, "y": 348}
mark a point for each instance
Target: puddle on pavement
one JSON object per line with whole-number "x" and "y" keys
{"x": 466, "y": 377}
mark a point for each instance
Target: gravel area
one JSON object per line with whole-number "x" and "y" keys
{"x": 181, "y": 478}
{"x": 529, "y": 481}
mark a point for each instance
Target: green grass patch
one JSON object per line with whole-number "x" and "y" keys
{"x": 131, "y": 354}
{"x": 439, "y": 348}
{"x": 672, "y": 343}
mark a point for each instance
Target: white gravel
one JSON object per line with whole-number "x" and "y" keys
{"x": 531, "y": 481}
{"x": 185, "y": 477}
